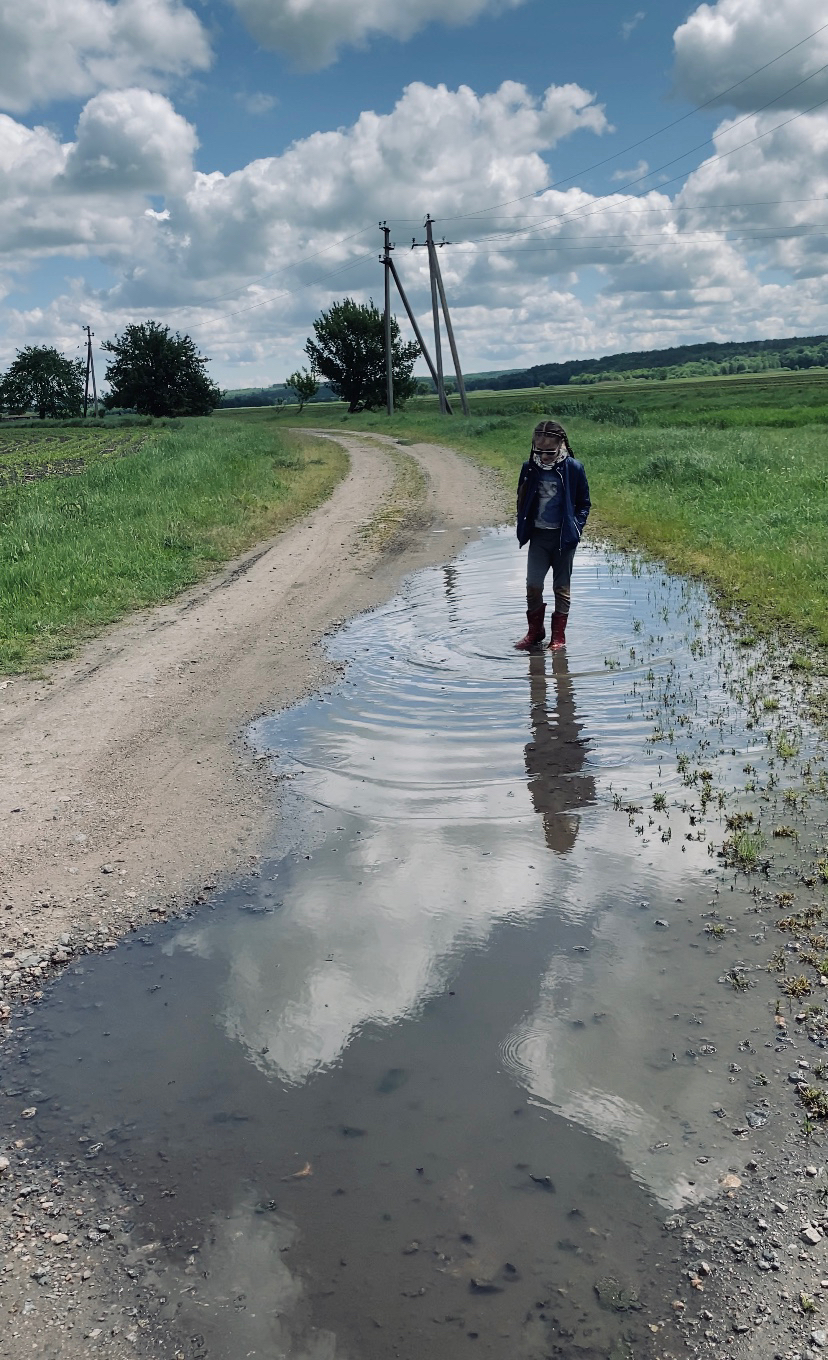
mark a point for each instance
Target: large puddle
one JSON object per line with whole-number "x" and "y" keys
{"x": 429, "y": 1083}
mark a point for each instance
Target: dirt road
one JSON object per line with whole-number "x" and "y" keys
{"x": 126, "y": 786}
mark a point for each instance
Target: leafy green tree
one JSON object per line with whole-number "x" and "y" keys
{"x": 303, "y": 385}
{"x": 41, "y": 379}
{"x": 158, "y": 373}
{"x": 349, "y": 350}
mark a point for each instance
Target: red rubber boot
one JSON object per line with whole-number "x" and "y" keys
{"x": 536, "y": 631}
{"x": 558, "y": 630}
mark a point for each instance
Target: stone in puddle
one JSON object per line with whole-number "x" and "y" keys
{"x": 478, "y": 1286}
{"x": 612, "y": 1294}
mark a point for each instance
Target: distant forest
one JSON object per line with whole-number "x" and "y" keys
{"x": 710, "y": 359}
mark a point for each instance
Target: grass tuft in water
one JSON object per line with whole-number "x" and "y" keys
{"x": 815, "y": 1101}
{"x": 796, "y": 987}
{"x": 742, "y": 849}
{"x": 786, "y": 746}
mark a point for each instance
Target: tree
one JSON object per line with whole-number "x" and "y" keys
{"x": 304, "y": 385}
{"x": 41, "y": 379}
{"x": 158, "y": 373}
{"x": 349, "y": 350}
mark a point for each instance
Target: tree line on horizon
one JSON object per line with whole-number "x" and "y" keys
{"x": 708, "y": 359}
{"x": 157, "y": 372}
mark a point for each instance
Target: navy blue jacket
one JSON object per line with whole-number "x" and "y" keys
{"x": 576, "y": 501}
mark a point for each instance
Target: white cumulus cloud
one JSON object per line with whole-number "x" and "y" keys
{"x": 132, "y": 139}
{"x": 313, "y": 31}
{"x": 54, "y": 49}
{"x": 720, "y": 44}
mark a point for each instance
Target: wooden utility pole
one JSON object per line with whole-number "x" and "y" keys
{"x": 389, "y": 357}
{"x": 90, "y": 371}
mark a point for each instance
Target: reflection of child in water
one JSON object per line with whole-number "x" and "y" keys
{"x": 552, "y": 508}
{"x": 556, "y": 755}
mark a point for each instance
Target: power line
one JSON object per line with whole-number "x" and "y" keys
{"x": 605, "y": 243}
{"x": 774, "y": 232}
{"x": 650, "y": 136}
{"x": 700, "y": 207}
{"x": 580, "y": 215}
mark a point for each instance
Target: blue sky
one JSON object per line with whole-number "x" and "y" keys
{"x": 581, "y": 43}
{"x": 192, "y": 162}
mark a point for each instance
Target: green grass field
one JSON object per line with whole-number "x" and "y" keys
{"x": 744, "y": 507}
{"x": 79, "y": 550}
{"x": 774, "y": 399}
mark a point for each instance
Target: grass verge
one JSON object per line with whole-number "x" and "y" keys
{"x": 78, "y": 552}
{"x": 402, "y": 507}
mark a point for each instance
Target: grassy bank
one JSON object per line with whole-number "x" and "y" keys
{"x": 745, "y": 508}
{"x": 77, "y": 551}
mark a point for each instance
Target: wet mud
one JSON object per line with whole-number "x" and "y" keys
{"x": 433, "y": 1079}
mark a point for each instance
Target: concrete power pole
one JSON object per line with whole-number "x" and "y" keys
{"x": 461, "y": 386}
{"x": 438, "y": 299}
{"x": 90, "y": 372}
{"x": 417, "y": 332}
{"x": 435, "y": 310}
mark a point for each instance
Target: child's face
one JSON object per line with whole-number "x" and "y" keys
{"x": 547, "y": 446}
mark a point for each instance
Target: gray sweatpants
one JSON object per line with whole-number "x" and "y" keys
{"x": 545, "y": 552}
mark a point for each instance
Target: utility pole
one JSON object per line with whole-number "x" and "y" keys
{"x": 418, "y": 334}
{"x": 461, "y": 386}
{"x": 438, "y": 299}
{"x": 90, "y": 371}
{"x": 435, "y": 309}
{"x": 389, "y": 358}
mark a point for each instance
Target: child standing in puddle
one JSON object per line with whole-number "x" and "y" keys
{"x": 552, "y": 508}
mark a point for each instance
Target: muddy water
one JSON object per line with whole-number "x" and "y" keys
{"x": 430, "y": 1081}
